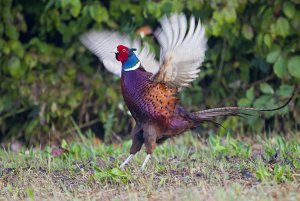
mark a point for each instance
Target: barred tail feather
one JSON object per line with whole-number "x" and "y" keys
{"x": 208, "y": 115}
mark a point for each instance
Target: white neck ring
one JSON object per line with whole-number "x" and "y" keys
{"x": 136, "y": 66}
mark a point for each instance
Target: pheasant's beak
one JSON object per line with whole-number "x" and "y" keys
{"x": 115, "y": 51}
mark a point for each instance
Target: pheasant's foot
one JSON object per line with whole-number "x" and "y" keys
{"x": 126, "y": 161}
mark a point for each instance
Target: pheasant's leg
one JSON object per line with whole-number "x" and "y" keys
{"x": 137, "y": 143}
{"x": 150, "y": 144}
{"x": 145, "y": 162}
{"x": 126, "y": 161}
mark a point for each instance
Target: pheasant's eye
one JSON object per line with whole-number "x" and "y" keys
{"x": 123, "y": 50}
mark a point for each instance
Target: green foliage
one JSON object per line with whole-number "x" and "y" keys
{"x": 48, "y": 78}
{"x": 186, "y": 162}
{"x": 113, "y": 174}
{"x": 281, "y": 171}
{"x": 287, "y": 156}
{"x": 229, "y": 146}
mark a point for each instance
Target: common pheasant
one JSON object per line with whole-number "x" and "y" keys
{"x": 149, "y": 87}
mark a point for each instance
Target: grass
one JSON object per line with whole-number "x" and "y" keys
{"x": 184, "y": 168}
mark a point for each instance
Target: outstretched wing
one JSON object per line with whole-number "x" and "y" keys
{"x": 102, "y": 44}
{"x": 182, "y": 50}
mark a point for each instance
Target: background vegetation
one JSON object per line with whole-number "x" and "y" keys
{"x": 51, "y": 85}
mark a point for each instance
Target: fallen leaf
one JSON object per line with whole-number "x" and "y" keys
{"x": 97, "y": 141}
{"x": 56, "y": 151}
{"x": 16, "y": 146}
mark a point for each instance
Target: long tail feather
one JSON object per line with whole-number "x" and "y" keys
{"x": 206, "y": 115}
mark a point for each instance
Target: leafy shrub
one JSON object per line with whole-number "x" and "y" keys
{"x": 49, "y": 80}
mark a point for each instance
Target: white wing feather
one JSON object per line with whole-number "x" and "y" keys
{"x": 102, "y": 44}
{"x": 182, "y": 50}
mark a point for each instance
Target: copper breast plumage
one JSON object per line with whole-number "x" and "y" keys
{"x": 147, "y": 100}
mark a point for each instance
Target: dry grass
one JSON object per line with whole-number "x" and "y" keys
{"x": 185, "y": 169}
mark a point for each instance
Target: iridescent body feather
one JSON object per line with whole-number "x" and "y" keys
{"x": 153, "y": 103}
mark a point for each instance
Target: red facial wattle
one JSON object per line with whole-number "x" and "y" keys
{"x": 122, "y": 54}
